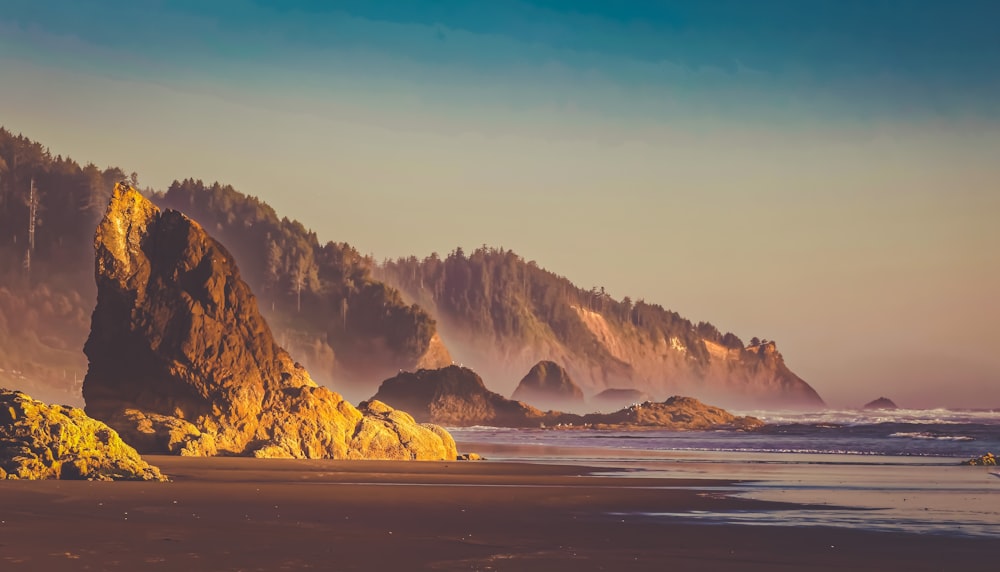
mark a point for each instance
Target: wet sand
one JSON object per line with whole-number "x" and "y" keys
{"x": 248, "y": 514}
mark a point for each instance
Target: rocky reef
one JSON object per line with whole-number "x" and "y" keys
{"x": 39, "y": 441}
{"x": 677, "y": 412}
{"x": 182, "y": 362}
{"x": 616, "y": 398}
{"x": 548, "y": 385}
{"x": 456, "y": 396}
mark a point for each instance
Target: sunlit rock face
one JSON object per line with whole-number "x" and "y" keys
{"x": 182, "y": 362}
{"x": 40, "y": 441}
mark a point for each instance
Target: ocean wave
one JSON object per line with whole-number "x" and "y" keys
{"x": 932, "y": 436}
{"x": 854, "y": 417}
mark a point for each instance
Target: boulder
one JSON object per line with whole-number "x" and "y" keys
{"x": 39, "y": 441}
{"x": 182, "y": 362}
{"x": 988, "y": 460}
{"x": 549, "y": 386}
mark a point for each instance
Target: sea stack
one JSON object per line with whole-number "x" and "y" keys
{"x": 182, "y": 362}
{"x": 456, "y": 396}
{"x": 549, "y": 386}
{"x": 881, "y": 403}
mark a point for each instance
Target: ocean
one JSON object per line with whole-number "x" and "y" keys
{"x": 880, "y": 470}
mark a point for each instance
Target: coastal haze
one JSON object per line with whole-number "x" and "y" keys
{"x": 822, "y": 179}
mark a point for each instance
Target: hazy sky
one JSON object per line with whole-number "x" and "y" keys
{"x": 825, "y": 174}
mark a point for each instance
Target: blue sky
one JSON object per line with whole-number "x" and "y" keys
{"x": 822, "y": 173}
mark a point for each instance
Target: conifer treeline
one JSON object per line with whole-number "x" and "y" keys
{"x": 497, "y": 292}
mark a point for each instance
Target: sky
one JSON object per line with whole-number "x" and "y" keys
{"x": 825, "y": 174}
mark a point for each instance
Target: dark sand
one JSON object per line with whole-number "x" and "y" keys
{"x": 247, "y": 514}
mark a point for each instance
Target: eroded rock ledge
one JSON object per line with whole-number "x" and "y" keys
{"x": 182, "y": 362}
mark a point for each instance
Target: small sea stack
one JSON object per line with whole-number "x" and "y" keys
{"x": 881, "y": 403}
{"x": 549, "y": 386}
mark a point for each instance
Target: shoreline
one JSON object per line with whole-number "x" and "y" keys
{"x": 265, "y": 514}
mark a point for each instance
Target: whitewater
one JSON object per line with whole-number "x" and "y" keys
{"x": 881, "y": 470}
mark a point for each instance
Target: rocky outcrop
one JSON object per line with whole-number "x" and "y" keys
{"x": 987, "y": 460}
{"x": 456, "y": 396}
{"x": 616, "y": 398}
{"x": 182, "y": 362}
{"x": 39, "y": 441}
{"x": 881, "y": 403}
{"x": 676, "y": 413}
{"x": 549, "y": 386}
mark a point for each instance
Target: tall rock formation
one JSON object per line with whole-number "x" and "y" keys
{"x": 549, "y": 386}
{"x": 181, "y": 360}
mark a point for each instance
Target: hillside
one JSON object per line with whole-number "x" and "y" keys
{"x": 320, "y": 299}
{"x": 342, "y": 315}
{"x": 47, "y": 287}
{"x": 502, "y": 314}
{"x": 347, "y": 328}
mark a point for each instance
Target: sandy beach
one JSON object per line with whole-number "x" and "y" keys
{"x": 248, "y": 514}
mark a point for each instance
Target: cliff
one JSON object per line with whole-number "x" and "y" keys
{"x": 39, "y": 441}
{"x": 181, "y": 361}
{"x": 549, "y": 386}
{"x": 502, "y": 314}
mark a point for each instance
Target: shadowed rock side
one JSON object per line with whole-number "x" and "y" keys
{"x": 548, "y": 385}
{"x": 456, "y": 396}
{"x": 182, "y": 362}
{"x": 881, "y": 403}
{"x": 39, "y": 441}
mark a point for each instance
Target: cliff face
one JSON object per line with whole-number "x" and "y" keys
{"x": 39, "y": 441}
{"x": 181, "y": 360}
{"x": 549, "y": 386}
{"x": 502, "y": 315}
